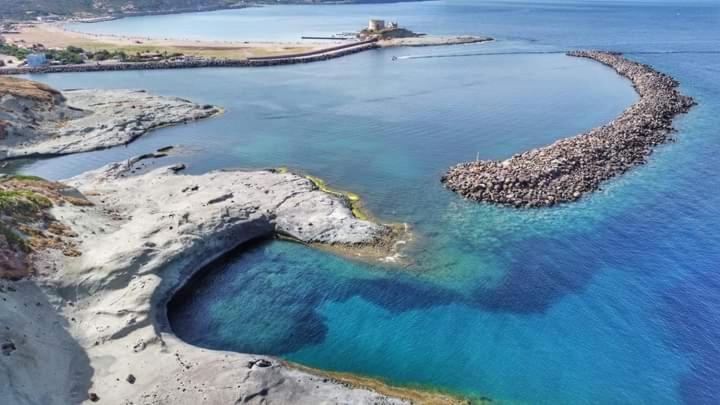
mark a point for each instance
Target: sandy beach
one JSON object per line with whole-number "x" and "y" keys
{"x": 55, "y": 35}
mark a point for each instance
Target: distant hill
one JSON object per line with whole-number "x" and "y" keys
{"x": 28, "y": 9}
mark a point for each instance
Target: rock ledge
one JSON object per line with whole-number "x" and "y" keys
{"x": 36, "y": 120}
{"x": 93, "y": 327}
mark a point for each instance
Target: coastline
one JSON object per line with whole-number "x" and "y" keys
{"x": 56, "y": 35}
{"x": 53, "y": 123}
{"x": 211, "y": 63}
{"x": 204, "y": 53}
{"x": 132, "y": 254}
{"x": 124, "y": 14}
{"x": 415, "y": 396}
{"x": 571, "y": 168}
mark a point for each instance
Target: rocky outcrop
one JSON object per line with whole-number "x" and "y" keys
{"x": 24, "y": 105}
{"x": 99, "y": 318}
{"x": 573, "y": 167}
{"x": 36, "y": 120}
{"x": 25, "y": 223}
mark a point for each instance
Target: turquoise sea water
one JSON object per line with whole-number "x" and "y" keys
{"x": 614, "y": 299}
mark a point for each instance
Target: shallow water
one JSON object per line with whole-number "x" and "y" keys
{"x": 614, "y": 299}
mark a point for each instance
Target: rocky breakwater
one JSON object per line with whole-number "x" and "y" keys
{"x": 573, "y": 167}
{"x": 92, "y": 326}
{"x": 37, "y": 120}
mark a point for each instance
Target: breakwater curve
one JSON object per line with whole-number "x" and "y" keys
{"x": 570, "y": 168}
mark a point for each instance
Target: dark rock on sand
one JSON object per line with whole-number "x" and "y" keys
{"x": 7, "y": 348}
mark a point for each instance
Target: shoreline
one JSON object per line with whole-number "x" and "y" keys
{"x": 573, "y": 167}
{"x": 210, "y": 63}
{"x": 203, "y": 53}
{"x": 126, "y": 14}
{"x": 130, "y": 254}
{"x": 417, "y": 396}
{"x": 43, "y": 122}
{"x": 56, "y": 35}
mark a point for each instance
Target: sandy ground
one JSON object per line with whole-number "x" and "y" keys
{"x": 54, "y": 35}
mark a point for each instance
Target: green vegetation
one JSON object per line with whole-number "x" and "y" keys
{"x": 104, "y": 54}
{"x": 71, "y": 55}
{"x": 22, "y": 9}
{"x": 13, "y": 239}
{"x": 29, "y": 9}
{"x": 21, "y": 177}
{"x": 18, "y": 200}
{"x": 12, "y": 50}
{"x": 19, "y": 205}
{"x": 22, "y": 202}
{"x": 352, "y": 198}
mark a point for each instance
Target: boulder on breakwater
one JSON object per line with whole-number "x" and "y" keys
{"x": 570, "y": 168}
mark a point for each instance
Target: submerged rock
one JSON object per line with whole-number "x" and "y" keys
{"x": 572, "y": 167}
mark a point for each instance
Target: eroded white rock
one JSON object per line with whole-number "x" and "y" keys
{"x": 144, "y": 235}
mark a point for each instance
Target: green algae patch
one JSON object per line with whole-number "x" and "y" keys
{"x": 359, "y": 214}
{"x": 352, "y": 199}
{"x": 415, "y": 395}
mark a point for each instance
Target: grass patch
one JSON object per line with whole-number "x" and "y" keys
{"x": 21, "y": 177}
{"x": 416, "y": 395}
{"x": 22, "y": 202}
{"x": 13, "y": 238}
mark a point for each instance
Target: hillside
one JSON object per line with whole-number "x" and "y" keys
{"x": 25, "y": 9}
{"x": 30, "y": 8}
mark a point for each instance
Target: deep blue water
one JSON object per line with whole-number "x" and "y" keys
{"x": 614, "y": 299}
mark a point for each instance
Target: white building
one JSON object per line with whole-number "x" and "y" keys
{"x": 376, "y": 25}
{"x": 36, "y": 59}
